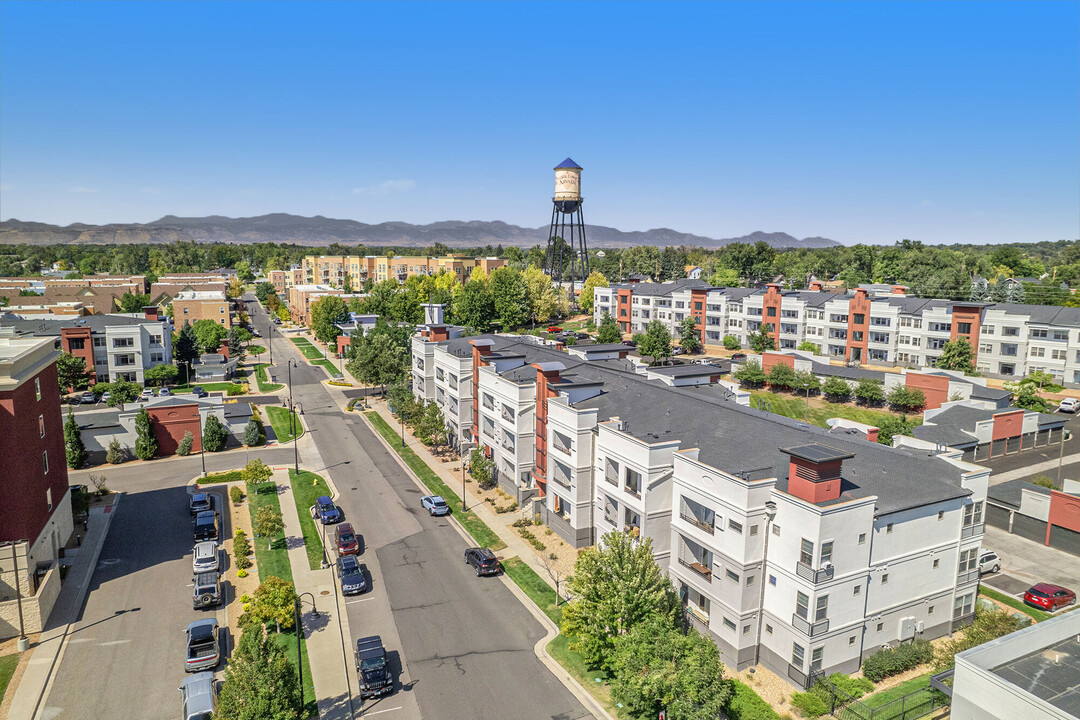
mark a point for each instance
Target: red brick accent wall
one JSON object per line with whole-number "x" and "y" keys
{"x": 478, "y": 354}
{"x": 770, "y": 303}
{"x": 934, "y": 387}
{"x": 622, "y": 308}
{"x": 768, "y": 359}
{"x": 342, "y": 343}
{"x": 698, "y": 297}
{"x": 24, "y": 509}
{"x": 858, "y": 305}
{"x": 1064, "y": 512}
{"x": 171, "y": 422}
{"x": 86, "y": 353}
{"x": 543, "y": 393}
{"x": 814, "y": 482}
{"x": 972, "y": 315}
{"x": 1008, "y": 424}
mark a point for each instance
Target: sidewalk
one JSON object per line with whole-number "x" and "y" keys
{"x": 33, "y": 687}
{"x": 325, "y": 633}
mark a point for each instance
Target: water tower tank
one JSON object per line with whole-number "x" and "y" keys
{"x": 567, "y": 186}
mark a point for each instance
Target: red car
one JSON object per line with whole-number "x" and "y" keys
{"x": 347, "y": 544}
{"x": 554, "y": 329}
{"x": 1049, "y": 597}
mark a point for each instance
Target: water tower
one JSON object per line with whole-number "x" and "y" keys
{"x": 567, "y": 223}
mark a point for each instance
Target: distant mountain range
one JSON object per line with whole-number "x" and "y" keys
{"x": 318, "y": 230}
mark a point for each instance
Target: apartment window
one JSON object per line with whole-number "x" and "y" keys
{"x": 772, "y": 312}
{"x": 937, "y": 562}
{"x": 806, "y": 553}
{"x": 880, "y": 627}
{"x": 815, "y": 658}
{"x": 962, "y": 606}
{"x": 776, "y": 530}
{"x": 99, "y": 342}
{"x": 48, "y": 498}
{"x": 826, "y": 552}
{"x": 1038, "y": 333}
{"x": 973, "y": 513}
{"x": 753, "y": 529}
{"x": 737, "y": 527}
{"x": 728, "y": 624}
{"x": 930, "y": 610}
{"x": 798, "y": 653}
{"x": 851, "y": 640}
{"x": 772, "y": 580}
{"x": 768, "y": 628}
{"x": 37, "y": 387}
{"x": 745, "y": 629}
{"x": 963, "y": 328}
{"x": 857, "y": 590}
{"x": 858, "y": 319}
{"x": 821, "y": 611}
{"x": 731, "y": 575}
{"x": 1060, "y": 335}
{"x": 76, "y": 343}
{"x": 123, "y": 342}
{"x": 45, "y": 461}
{"x": 155, "y": 339}
{"x": 1057, "y": 354}
{"x": 749, "y": 580}
{"x": 1038, "y": 352}
{"x": 888, "y": 528}
{"x": 967, "y": 560}
{"x": 802, "y": 604}
{"x": 41, "y": 424}
{"x": 885, "y": 579}
{"x": 1010, "y": 331}
{"x": 157, "y": 357}
{"x": 986, "y": 347}
{"x": 633, "y": 482}
{"x": 862, "y": 538}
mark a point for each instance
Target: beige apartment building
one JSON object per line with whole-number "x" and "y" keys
{"x": 332, "y": 270}
{"x": 282, "y": 280}
{"x": 194, "y": 305}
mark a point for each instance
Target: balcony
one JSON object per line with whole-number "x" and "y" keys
{"x": 967, "y": 576}
{"x": 807, "y": 628}
{"x": 971, "y": 531}
{"x": 507, "y": 415}
{"x": 610, "y": 520}
{"x": 698, "y": 614}
{"x": 560, "y": 479}
{"x": 699, "y": 524}
{"x": 815, "y": 576}
{"x": 634, "y": 490}
{"x": 798, "y": 676}
{"x": 614, "y": 480}
{"x": 697, "y": 567}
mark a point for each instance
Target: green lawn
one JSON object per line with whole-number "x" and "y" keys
{"x": 310, "y": 351}
{"x": 819, "y": 411}
{"x": 483, "y": 535}
{"x": 279, "y": 420}
{"x": 208, "y": 387}
{"x": 306, "y": 487}
{"x": 534, "y": 586}
{"x": 263, "y": 380}
{"x": 8, "y": 663}
{"x": 328, "y": 366}
{"x": 275, "y": 562}
{"x": 1034, "y": 613}
{"x": 887, "y": 696}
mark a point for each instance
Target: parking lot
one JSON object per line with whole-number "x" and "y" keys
{"x": 1024, "y": 563}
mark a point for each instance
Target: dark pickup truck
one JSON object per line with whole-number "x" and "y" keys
{"x": 371, "y": 666}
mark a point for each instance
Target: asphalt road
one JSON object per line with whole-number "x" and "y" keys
{"x": 464, "y": 644}
{"x": 125, "y": 655}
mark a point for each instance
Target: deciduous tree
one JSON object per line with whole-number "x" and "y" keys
{"x": 324, "y": 314}
{"x": 689, "y": 335}
{"x": 836, "y": 390}
{"x": 750, "y": 374}
{"x": 959, "y": 355}
{"x": 656, "y": 342}
{"x": 510, "y": 296}
{"x": 608, "y": 331}
{"x": 159, "y": 375}
{"x": 906, "y": 399}
{"x": 268, "y": 523}
{"x": 260, "y": 682}
{"x": 71, "y": 372}
{"x": 585, "y": 299}
{"x": 869, "y": 392}
{"x": 209, "y": 335}
{"x": 761, "y": 341}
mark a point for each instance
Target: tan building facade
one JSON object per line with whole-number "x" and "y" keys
{"x": 194, "y": 305}
{"x": 282, "y": 280}
{"x": 332, "y": 270}
{"x": 302, "y": 297}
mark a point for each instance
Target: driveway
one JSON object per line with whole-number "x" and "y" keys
{"x": 1028, "y": 562}
{"x": 1040, "y": 461}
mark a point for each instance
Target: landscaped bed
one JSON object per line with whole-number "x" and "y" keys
{"x": 818, "y": 410}
{"x": 306, "y": 487}
{"x": 280, "y": 421}
{"x": 262, "y": 379}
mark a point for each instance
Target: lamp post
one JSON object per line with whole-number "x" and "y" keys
{"x": 270, "y": 337}
{"x": 23, "y": 643}
{"x": 300, "y": 635}
{"x": 292, "y": 430}
{"x": 202, "y": 441}
{"x": 401, "y": 418}
{"x": 770, "y": 513}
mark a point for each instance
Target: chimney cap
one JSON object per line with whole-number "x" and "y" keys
{"x": 817, "y": 453}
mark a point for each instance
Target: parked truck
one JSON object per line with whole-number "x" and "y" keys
{"x": 372, "y": 667}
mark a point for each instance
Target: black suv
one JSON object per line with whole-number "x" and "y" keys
{"x": 483, "y": 560}
{"x": 205, "y": 526}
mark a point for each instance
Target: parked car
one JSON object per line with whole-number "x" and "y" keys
{"x": 255, "y": 333}
{"x": 203, "y": 652}
{"x": 582, "y": 336}
{"x": 201, "y": 502}
{"x": 352, "y": 576}
{"x": 554, "y": 329}
{"x": 198, "y": 697}
{"x": 206, "y": 590}
{"x": 435, "y": 505}
{"x": 325, "y": 511}
{"x": 630, "y": 343}
{"x": 164, "y": 392}
{"x": 738, "y": 356}
{"x": 277, "y": 321}
{"x": 1049, "y": 597}
{"x": 372, "y": 668}
{"x": 205, "y": 557}
{"x": 88, "y": 398}
{"x": 1069, "y": 405}
{"x": 198, "y": 391}
{"x": 105, "y": 396}
{"x": 483, "y": 560}
{"x": 147, "y": 393}
{"x": 346, "y": 540}
{"x": 989, "y": 562}
{"x": 678, "y": 350}
{"x": 206, "y": 526}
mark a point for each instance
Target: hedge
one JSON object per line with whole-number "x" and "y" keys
{"x": 745, "y": 704}
{"x": 886, "y": 663}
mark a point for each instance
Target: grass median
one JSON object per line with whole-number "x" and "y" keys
{"x": 483, "y": 535}
{"x": 328, "y": 366}
{"x": 8, "y": 663}
{"x": 280, "y": 421}
{"x": 820, "y": 410}
{"x": 310, "y": 351}
{"x": 1036, "y": 614}
{"x": 264, "y": 382}
{"x": 225, "y": 387}
{"x": 306, "y": 487}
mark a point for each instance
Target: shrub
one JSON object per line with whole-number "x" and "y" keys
{"x": 116, "y": 453}
{"x": 901, "y": 398}
{"x": 855, "y": 687}
{"x": 745, "y": 704}
{"x": 988, "y": 625}
{"x": 869, "y": 392}
{"x": 1043, "y": 481}
{"x": 836, "y": 390}
{"x": 810, "y": 704}
{"x": 245, "y": 598}
{"x": 731, "y": 342}
{"x": 236, "y": 494}
{"x": 184, "y": 448}
{"x": 521, "y": 522}
{"x": 235, "y": 389}
{"x": 241, "y": 573}
{"x": 886, "y": 663}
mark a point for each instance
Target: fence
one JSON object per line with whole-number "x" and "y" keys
{"x": 916, "y": 704}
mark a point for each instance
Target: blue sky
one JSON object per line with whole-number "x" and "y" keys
{"x": 859, "y": 121}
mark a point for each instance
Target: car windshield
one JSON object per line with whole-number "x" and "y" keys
{"x": 326, "y": 506}
{"x": 350, "y": 572}
{"x": 1038, "y": 593}
{"x": 347, "y": 538}
{"x": 373, "y": 663}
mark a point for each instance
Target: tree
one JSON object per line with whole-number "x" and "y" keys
{"x": 781, "y": 376}
{"x": 616, "y": 585}
{"x": 608, "y": 331}
{"x": 378, "y": 360}
{"x": 511, "y": 298}
{"x": 252, "y": 433}
{"x": 272, "y": 303}
{"x": 480, "y": 468}
{"x": 268, "y": 523}
{"x": 806, "y": 383}
{"x": 133, "y": 303}
{"x": 656, "y": 342}
{"x": 256, "y": 472}
{"x": 186, "y": 348}
{"x": 116, "y": 453}
{"x": 957, "y": 354}
{"x": 808, "y": 346}
{"x": 750, "y": 374}
{"x": 905, "y": 399}
{"x": 234, "y": 289}
{"x": 892, "y": 426}
{"x": 159, "y": 375}
{"x": 725, "y": 277}
{"x": 73, "y": 442}
{"x": 869, "y": 392}
{"x": 731, "y": 342}
{"x": 215, "y": 436}
{"x": 585, "y": 299}
{"x": 236, "y": 343}
{"x": 208, "y": 335}
{"x": 543, "y": 300}
{"x": 660, "y": 668}
{"x": 473, "y": 305}
{"x": 761, "y": 340}
{"x": 264, "y": 290}
{"x": 272, "y": 602}
{"x": 836, "y": 390}
{"x": 122, "y": 391}
{"x": 260, "y": 682}
{"x": 145, "y": 442}
{"x": 434, "y": 424}
{"x": 243, "y": 271}
{"x": 689, "y": 337}
{"x": 324, "y": 314}
{"x": 71, "y": 372}
{"x": 183, "y": 449}
{"x": 1026, "y": 395}
{"x": 1043, "y": 379}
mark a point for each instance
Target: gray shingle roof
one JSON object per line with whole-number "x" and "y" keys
{"x": 1010, "y": 492}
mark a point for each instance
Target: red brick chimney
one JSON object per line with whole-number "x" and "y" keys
{"x": 816, "y": 286}
{"x": 814, "y": 474}
{"x": 151, "y": 312}
{"x": 899, "y": 289}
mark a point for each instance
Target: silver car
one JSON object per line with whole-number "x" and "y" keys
{"x": 989, "y": 562}
{"x": 204, "y": 558}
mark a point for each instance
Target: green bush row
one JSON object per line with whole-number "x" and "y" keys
{"x": 886, "y": 663}
{"x": 745, "y": 704}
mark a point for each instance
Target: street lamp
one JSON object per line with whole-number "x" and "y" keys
{"x": 23, "y": 642}
{"x": 401, "y": 417}
{"x": 292, "y": 430}
{"x": 300, "y": 635}
{"x": 770, "y": 513}
{"x": 270, "y": 336}
{"x": 202, "y": 440}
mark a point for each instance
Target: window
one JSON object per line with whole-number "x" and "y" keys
{"x": 1057, "y": 354}
{"x": 806, "y": 553}
{"x": 1038, "y": 352}
{"x": 155, "y": 339}
{"x": 749, "y": 580}
{"x": 862, "y": 538}
{"x": 728, "y": 624}
{"x": 1010, "y": 331}
{"x": 940, "y": 514}
{"x": 798, "y": 653}
{"x": 772, "y": 580}
{"x": 1060, "y": 335}
{"x": 986, "y": 347}
{"x": 123, "y": 342}
{"x": 776, "y": 530}
{"x": 771, "y": 312}
{"x": 768, "y": 628}
{"x": 930, "y": 610}
{"x": 973, "y": 514}
{"x": 962, "y": 606}
{"x": 48, "y": 498}
{"x": 815, "y": 658}
{"x": 986, "y": 330}
{"x": 851, "y": 640}
{"x": 732, "y": 575}
{"x": 967, "y": 559}
{"x": 857, "y": 590}
{"x": 745, "y": 629}
{"x": 937, "y": 562}
{"x": 880, "y": 626}
{"x": 737, "y": 527}
{"x": 885, "y": 579}
{"x": 826, "y": 552}
{"x": 1038, "y": 333}
{"x": 822, "y": 610}
{"x": 45, "y": 461}
{"x": 802, "y": 604}
{"x": 888, "y": 528}
{"x": 76, "y": 344}
{"x": 37, "y": 387}
{"x": 963, "y": 328}
{"x": 753, "y": 529}
{"x": 858, "y": 319}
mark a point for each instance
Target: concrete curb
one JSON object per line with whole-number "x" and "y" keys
{"x": 540, "y": 649}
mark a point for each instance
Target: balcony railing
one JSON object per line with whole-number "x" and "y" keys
{"x": 561, "y": 479}
{"x": 808, "y": 628}
{"x": 697, "y": 567}
{"x": 611, "y": 479}
{"x": 971, "y": 531}
{"x": 561, "y": 446}
{"x": 797, "y": 675}
{"x": 815, "y": 576}
{"x": 610, "y": 520}
{"x": 967, "y": 576}
{"x": 632, "y": 491}
{"x": 508, "y": 416}
{"x": 700, "y": 524}
{"x": 698, "y": 614}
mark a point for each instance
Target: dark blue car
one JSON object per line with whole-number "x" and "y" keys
{"x": 325, "y": 511}
{"x": 352, "y": 576}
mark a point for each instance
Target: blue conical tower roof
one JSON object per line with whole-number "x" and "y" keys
{"x": 568, "y": 163}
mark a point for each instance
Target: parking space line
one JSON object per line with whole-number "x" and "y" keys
{"x": 358, "y": 600}
{"x": 378, "y": 712}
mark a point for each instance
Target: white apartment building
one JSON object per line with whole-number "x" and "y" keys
{"x": 889, "y": 328}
